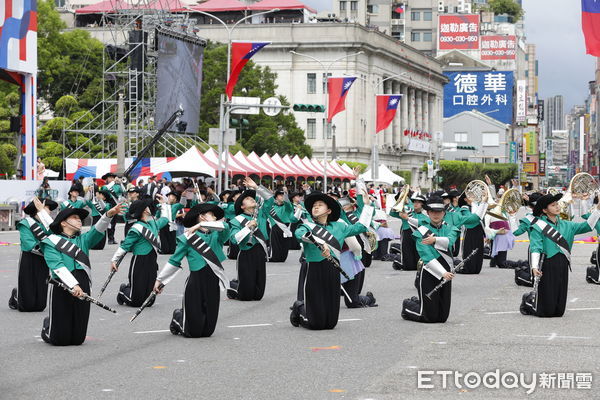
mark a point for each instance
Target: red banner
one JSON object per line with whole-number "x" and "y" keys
{"x": 459, "y": 31}
{"x": 498, "y": 47}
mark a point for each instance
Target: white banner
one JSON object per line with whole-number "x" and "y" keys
{"x": 22, "y": 192}
{"x": 521, "y": 112}
{"x": 420, "y": 146}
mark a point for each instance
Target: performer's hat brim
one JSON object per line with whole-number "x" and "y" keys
{"x": 418, "y": 197}
{"x": 176, "y": 194}
{"x": 73, "y": 189}
{"x": 108, "y": 175}
{"x": 453, "y": 193}
{"x": 191, "y": 218}
{"x": 32, "y": 211}
{"x": 435, "y": 203}
{"x": 240, "y": 200}
{"x": 544, "y": 202}
{"x": 332, "y": 204}
{"x": 137, "y": 208}
{"x": 232, "y": 195}
{"x": 533, "y": 198}
{"x": 224, "y": 192}
{"x": 64, "y": 214}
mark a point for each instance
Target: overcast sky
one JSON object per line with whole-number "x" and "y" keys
{"x": 555, "y": 27}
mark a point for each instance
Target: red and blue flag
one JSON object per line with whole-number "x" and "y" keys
{"x": 590, "y": 23}
{"x": 241, "y": 53}
{"x": 387, "y": 104}
{"x": 338, "y": 89}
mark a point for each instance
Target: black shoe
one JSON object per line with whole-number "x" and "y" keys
{"x": 112, "y": 242}
{"x": 397, "y": 266}
{"x": 414, "y": 298}
{"x": 174, "y": 326}
{"x": 44, "y": 333}
{"x": 120, "y": 297}
{"x": 295, "y": 314}
{"x": 12, "y": 302}
{"x": 371, "y": 300}
{"x": 231, "y": 294}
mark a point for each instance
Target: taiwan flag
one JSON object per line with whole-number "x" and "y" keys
{"x": 387, "y": 104}
{"x": 590, "y": 23}
{"x": 399, "y": 9}
{"x": 241, "y": 53}
{"x": 338, "y": 89}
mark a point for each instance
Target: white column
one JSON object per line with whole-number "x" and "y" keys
{"x": 404, "y": 111}
{"x": 411, "y": 110}
{"x": 426, "y": 126}
{"x": 419, "y": 110}
{"x": 431, "y": 107}
{"x": 396, "y": 122}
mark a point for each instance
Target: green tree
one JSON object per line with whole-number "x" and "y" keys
{"x": 7, "y": 166}
{"x": 509, "y": 7}
{"x": 279, "y": 134}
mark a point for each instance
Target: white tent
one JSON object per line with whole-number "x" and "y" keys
{"x": 190, "y": 163}
{"x": 385, "y": 176}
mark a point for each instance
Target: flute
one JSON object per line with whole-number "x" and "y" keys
{"x": 453, "y": 270}
{"x": 334, "y": 261}
{"x": 84, "y": 297}
{"x": 149, "y": 300}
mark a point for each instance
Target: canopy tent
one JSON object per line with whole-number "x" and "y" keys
{"x": 254, "y": 158}
{"x": 106, "y": 6}
{"x": 166, "y": 5}
{"x": 190, "y": 163}
{"x": 257, "y": 168}
{"x": 217, "y": 6}
{"x": 340, "y": 171}
{"x": 234, "y": 168}
{"x": 287, "y": 171}
{"x": 277, "y": 169}
{"x": 306, "y": 167}
{"x": 96, "y": 167}
{"x": 266, "y": 5}
{"x": 287, "y": 161}
{"x": 347, "y": 169}
{"x": 385, "y": 176}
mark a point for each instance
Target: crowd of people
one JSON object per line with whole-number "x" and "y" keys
{"x": 338, "y": 232}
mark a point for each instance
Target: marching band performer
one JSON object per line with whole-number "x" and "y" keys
{"x": 229, "y": 208}
{"x": 143, "y": 242}
{"x": 203, "y": 249}
{"x": 434, "y": 240}
{"x": 115, "y": 189}
{"x": 280, "y": 216}
{"x": 249, "y": 232}
{"x": 98, "y": 205}
{"x": 593, "y": 272}
{"x": 66, "y": 252}
{"x": 522, "y": 268}
{"x": 410, "y": 221}
{"x": 321, "y": 305}
{"x": 299, "y": 213}
{"x": 74, "y": 200}
{"x": 172, "y": 210}
{"x": 133, "y": 194}
{"x": 551, "y": 239}
{"x": 32, "y": 286}
{"x": 472, "y": 215}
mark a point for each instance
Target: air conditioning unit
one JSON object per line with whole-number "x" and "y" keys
{"x": 441, "y": 6}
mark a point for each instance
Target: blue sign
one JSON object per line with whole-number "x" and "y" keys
{"x": 489, "y": 92}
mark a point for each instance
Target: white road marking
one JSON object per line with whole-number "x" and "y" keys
{"x": 503, "y": 312}
{"x": 553, "y": 336}
{"x": 107, "y": 390}
{"x": 583, "y": 309}
{"x": 248, "y": 326}
{"x": 518, "y": 312}
{"x": 574, "y": 300}
{"x": 349, "y": 319}
{"x": 158, "y": 331}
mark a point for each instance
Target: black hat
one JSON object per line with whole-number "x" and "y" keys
{"x": 32, "y": 211}
{"x": 64, "y": 214}
{"x": 453, "y": 193}
{"x": 418, "y": 197}
{"x": 445, "y": 195}
{"x": 232, "y": 195}
{"x": 278, "y": 193}
{"x": 135, "y": 189}
{"x": 108, "y": 175}
{"x": 191, "y": 218}
{"x": 74, "y": 187}
{"x": 223, "y": 193}
{"x": 176, "y": 194}
{"x": 462, "y": 200}
{"x": 533, "y": 198}
{"x": 543, "y": 202}
{"x": 137, "y": 208}
{"x": 435, "y": 203}
{"x": 332, "y": 204}
{"x": 291, "y": 195}
{"x": 238, "y": 202}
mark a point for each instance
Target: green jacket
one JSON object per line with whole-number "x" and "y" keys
{"x": 467, "y": 219}
{"x": 539, "y": 243}
{"x": 283, "y": 211}
{"x": 195, "y": 261}
{"x": 229, "y": 209}
{"x": 134, "y": 241}
{"x": 524, "y": 226}
{"x": 340, "y": 230}
{"x": 28, "y": 241}
{"x": 93, "y": 209}
{"x": 429, "y": 252}
{"x": 239, "y": 235}
{"x": 75, "y": 204}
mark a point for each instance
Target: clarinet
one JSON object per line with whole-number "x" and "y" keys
{"x": 453, "y": 270}
{"x": 536, "y": 282}
{"x": 112, "y": 272}
{"x": 334, "y": 261}
{"x": 146, "y": 302}
{"x": 85, "y": 296}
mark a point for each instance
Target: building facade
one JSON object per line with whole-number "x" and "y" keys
{"x": 554, "y": 118}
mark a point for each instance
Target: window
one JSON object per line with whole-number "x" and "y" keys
{"x": 325, "y": 82}
{"x": 415, "y": 36}
{"x": 342, "y": 6}
{"x": 427, "y": 36}
{"x": 415, "y": 15}
{"x": 427, "y": 15}
{"x": 373, "y": 9}
{"x": 354, "y": 5}
{"x": 461, "y": 137}
{"x": 490, "y": 139}
{"x": 311, "y": 83}
{"x": 311, "y": 128}
{"x": 325, "y": 126}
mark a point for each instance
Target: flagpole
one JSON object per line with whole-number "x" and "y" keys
{"x": 225, "y": 103}
{"x": 326, "y": 94}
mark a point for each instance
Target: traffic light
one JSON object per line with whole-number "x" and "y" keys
{"x": 239, "y": 122}
{"x": 465, "y": 148}
{"x": 309, "y": 107}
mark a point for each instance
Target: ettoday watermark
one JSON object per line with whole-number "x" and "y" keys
{"x": 498, "y": 379}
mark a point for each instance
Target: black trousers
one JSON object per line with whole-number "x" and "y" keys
{"x": 278, "y": 245}
{"x": 68, "y": 320}
{"x": 293, "y": 243}
{"x": 142, "y": 276}
{"x": 168, "y": 240}
{"x": 473, "y": 240}
{"x": 232, "y": 251}
{"x": 593, "y": 272}
{"x": 499, "y": 260}
{"x": 410, "y": 257}
{"x": 100, "y": 245}
{"x": 32, "y": 283}
{"x": 200, "y": 306}
{"x": 321, "y": 306}
{"x": 127, "y": 227}
{"x": 301, "y": 279}
{"x": 552, "y": 289}
{"x": 353, "y": 287}
{"x": 423, "y": 309}
{"x": 252, "y": 274}
{"x": 382, "y": 249}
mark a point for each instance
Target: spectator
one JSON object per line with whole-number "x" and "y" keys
{"x": 41, "y": 169}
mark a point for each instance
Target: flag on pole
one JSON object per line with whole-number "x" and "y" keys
{"x": 590, "y": 23}
{"x": 241, "y": 53}
{"x": 338, "y": 89}
{"x": 399, "y": 9}
{"x": 387, "y": 104}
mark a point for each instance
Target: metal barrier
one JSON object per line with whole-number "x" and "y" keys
{"x": 8, "y": 216}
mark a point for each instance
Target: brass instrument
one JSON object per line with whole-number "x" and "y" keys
{"x": 372, "y": 238}
{"x": 399, "y": 206}
{"x": 510, "y": 203}
{"x": 479, "y": 191}
{"x": 583, "y": 186}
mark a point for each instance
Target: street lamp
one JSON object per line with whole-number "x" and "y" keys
{"x": 333, "y": 148}
{"x": 224, "y": 119}
{"x": 328, "y": 127}
{"x": 375, "y": 149}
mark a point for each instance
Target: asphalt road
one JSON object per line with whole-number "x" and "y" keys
{"x": 256, "y": 354}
